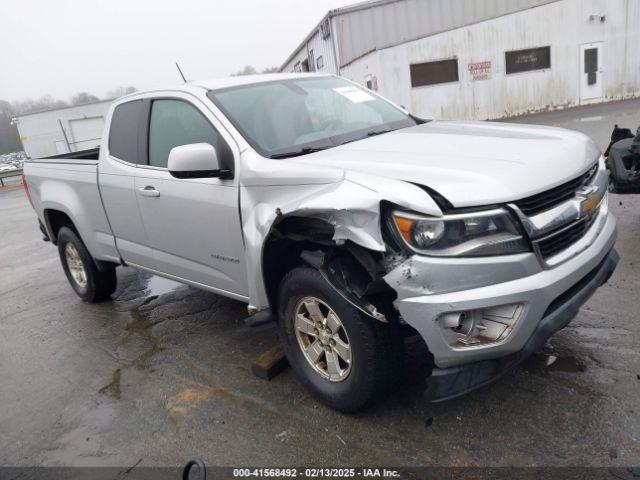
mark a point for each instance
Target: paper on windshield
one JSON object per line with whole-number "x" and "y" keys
{"x": 354, "y": 94}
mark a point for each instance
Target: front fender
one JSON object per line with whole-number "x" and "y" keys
{"x": 351, "y": 206}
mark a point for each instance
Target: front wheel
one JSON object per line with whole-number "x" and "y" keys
{"x": 91, "y": 284}
{"x": 345, "y": 358}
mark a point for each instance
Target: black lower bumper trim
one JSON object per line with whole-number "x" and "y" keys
{"x": 448, "y": 383}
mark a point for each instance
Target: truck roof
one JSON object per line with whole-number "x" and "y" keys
{"x": 227, "y": 82}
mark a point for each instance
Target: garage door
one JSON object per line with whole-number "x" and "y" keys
{"x": 85, "y": 133}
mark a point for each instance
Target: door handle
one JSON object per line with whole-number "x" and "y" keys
{"x": 148, "y": 191}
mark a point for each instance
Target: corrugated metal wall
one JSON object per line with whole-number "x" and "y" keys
{"x": 380, "y": 26}
{"x": 564, "y": 26}
{"x": 321, "y": 47}
{"x": 357, "y": 31}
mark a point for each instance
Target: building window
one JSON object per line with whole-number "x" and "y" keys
{"x": 591, "y": 65}
{"x": 432, "y": 73}
{"x": 325, "y": 29}
{"x": 527, "y": 60}
{"x": 312, "y": 62}
{"x": 297, "y": 67}
{"x": 320, "y": 62}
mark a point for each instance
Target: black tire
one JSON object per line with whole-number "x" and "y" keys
{"x": 99, "y": 284}
{"x": 377, "y": 348}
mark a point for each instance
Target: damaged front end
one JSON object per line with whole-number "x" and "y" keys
{"x": 360, "y": 285}
{"x": 466, "y": 281}
{"x": 623, "y": 160}
{"x": 291, "y": 210}
{"x": 351, "y": 249}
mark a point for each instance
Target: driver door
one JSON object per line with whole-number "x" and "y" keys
{"x": 193, "y": 225}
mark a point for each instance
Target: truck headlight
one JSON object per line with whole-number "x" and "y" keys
{"x": 492, "y": 232}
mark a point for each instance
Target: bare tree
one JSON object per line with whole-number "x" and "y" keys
{"x": 83, "y": 97}
{"x": 6, "y": 109}
{"x": 120, "y": 92}
{"x": 46, "y": 102}
{"x": 248, "y": 70}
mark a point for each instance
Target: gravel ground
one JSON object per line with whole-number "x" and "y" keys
{"x": 161, "y": 373}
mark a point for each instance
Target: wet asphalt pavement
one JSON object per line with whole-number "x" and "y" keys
{"x": 162, "y": 373}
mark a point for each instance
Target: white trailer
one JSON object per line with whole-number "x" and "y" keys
{"x": 63, "y": 130}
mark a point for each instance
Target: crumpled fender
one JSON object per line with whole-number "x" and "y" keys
{"x": 347, "y": 200}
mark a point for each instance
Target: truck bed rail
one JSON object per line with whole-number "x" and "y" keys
{"x": 91, "y": 154}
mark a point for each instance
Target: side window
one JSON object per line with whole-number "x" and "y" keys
{"x": 123, "y": 133}
{"x": 174, "y": 123}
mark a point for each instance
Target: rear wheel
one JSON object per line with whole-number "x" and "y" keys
{"x": 345, "y": 358}
{"x": 91, "y": 284}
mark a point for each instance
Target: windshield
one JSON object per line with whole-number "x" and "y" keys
{"x": 294, "y": 117}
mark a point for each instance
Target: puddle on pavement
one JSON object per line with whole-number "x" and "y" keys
{"x": 112, "y": 389}
{"x": 140, "y": 325}
{"x": 541, "y": 362}
{"x": 159, "y": 286}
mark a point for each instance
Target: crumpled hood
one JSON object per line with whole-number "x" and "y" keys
{"x": 469, "y": 163}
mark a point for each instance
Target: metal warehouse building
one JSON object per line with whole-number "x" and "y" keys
{"x": 62, "y": 130}
{"x": 481, "y": 59}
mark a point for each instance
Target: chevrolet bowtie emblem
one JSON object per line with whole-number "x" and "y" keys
{"x": 590, "y": 204}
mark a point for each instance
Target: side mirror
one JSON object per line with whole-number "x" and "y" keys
{"x": 197, "y": 160}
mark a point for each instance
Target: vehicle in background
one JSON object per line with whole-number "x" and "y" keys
{"x": 11, "y": 165}
{"x": 354, "y": 222}
{"x": 12, "y": 161}
{"x": 623, "y": 161}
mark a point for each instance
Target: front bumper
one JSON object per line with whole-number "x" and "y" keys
{"x": 447, "y": 383}
{"x": 428, "y": 288}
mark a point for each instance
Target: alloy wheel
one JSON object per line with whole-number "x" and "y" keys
{"x": 76, "y": 267}
{"x": 323, "y": 339}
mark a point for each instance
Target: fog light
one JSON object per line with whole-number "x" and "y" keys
{"x": 480, "y": 327}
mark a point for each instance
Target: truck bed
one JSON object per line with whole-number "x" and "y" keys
{"x": 68, "y": 185}
{"x": 91, "y": 154}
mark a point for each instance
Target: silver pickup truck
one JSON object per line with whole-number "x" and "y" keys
{"x": 356, "y": 223}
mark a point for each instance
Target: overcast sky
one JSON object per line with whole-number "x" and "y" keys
{"x": 61, "y": 47}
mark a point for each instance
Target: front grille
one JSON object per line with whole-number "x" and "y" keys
{"x": 563, "y": 238}
{"x": 544, "y": 201}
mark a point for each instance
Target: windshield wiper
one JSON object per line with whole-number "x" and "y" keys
{"x": 373, "y": 133}
{"x": 298, "y": 153}
{"x": 306, "y": 150}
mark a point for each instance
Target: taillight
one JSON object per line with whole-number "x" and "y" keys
{"x": 26, "y": 189}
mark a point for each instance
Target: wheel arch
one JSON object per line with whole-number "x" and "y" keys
{"x": 55, "y": 219}
{"x": 354, "y": 271}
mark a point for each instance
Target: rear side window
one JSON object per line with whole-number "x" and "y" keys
{"x": 174, "y": 123}
{"x": 123, "y": 134}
